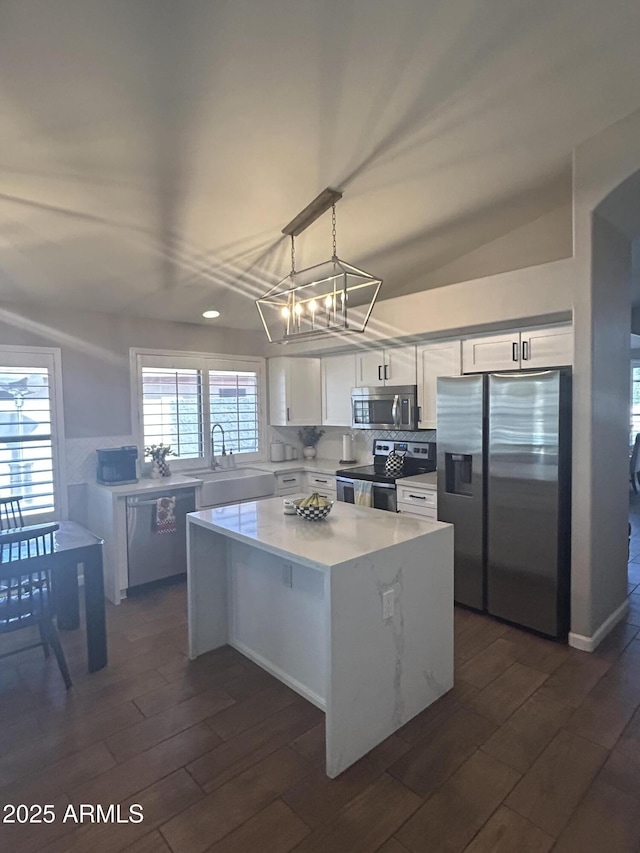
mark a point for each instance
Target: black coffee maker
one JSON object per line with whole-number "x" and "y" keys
{"x": 117, "y": 465}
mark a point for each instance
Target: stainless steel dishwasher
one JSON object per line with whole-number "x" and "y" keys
{"x": 151, "y": 554}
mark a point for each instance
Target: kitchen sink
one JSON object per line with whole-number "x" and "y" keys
{"x": 232, "y": 484}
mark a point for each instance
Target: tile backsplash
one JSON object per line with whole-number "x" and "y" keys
{"x": 330, "y": 445}
{"x": 80, "y": 455}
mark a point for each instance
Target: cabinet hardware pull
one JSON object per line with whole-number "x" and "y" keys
{"x": 418, "y": 497}
{"x": 386, "y": 368}
{"x": 525, "y": 350}
{"x": 380, "y": 373}
{"x": 289, "y": 480}
{"x": 318, "y": 480}
{"x": 514, "y": 351}
{"x": 287, "y": 412}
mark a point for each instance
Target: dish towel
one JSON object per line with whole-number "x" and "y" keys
{"x": 362, "y": 493}
{"x": 165, "y": 516}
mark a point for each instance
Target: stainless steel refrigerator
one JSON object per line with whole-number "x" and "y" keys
{"x": 504, "y": 481}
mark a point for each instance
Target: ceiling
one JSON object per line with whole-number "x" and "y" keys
{"x": 152, "y": 150}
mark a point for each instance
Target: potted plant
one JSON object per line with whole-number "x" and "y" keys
{"x": 158, "y": 454}
{"x": 309, "y": 436}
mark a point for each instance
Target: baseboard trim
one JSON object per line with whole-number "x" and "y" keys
{"x": 590, "y": 644}
{"x": 293, "y": 683}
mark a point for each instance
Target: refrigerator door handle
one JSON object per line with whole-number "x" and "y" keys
{"x": 514, "y": 351}
{"x": 394, "y": 411}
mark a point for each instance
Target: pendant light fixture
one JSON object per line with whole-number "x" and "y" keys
{"x": 330, "y": 297}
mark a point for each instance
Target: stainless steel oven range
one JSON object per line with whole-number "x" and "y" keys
{"x": 420, "y": 458}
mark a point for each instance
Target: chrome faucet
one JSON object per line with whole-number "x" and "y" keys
{"x": 214, "y": 462}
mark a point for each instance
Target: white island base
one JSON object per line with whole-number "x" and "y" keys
{"x": 305, "y": 601}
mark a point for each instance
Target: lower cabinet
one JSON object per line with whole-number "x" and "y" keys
{"x": 323, "y": 484}
{"x": 289, "y": 482}
{"x": 418, "y": 501}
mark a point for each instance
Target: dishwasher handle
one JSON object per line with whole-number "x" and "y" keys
{"x": 134, "y": 502}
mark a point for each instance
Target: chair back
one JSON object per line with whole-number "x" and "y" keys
{"x": 25, "y": 583}
{"x": 10, "y": 513}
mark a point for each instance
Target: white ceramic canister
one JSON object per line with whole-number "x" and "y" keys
{"x": 288, "y": 452}
{"x": 277, "y": 451}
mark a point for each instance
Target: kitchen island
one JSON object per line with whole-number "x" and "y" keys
{"x": 355, "y": 613}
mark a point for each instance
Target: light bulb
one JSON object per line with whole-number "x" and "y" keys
{"x": 211, "y": 314}
{"x": 285, "y": 311}
{"x": 298, "y": 309}
{"x": 312, "y": 306}
{"x": 328, "y": 302}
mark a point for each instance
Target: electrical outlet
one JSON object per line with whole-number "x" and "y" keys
{"x": 388, "y": 601}
{"x": 287, "y": 574}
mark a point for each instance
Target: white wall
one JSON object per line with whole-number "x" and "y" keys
{"x": 601, "y": 384}
{"x": 513, "y": 298}
{"x": 545, "y": 239}
{"x": 95, "y": 357}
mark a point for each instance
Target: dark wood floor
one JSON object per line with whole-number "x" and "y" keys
{"x": 537, "y": 748}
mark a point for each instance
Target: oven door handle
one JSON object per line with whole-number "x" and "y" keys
{"x": 375, "y": 484}
{"x": 394, "y": 411}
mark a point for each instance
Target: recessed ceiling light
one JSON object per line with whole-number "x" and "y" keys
{"x": 210, "y": 315}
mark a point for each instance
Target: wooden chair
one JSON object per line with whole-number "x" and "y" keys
{"x": 10, "y": 513}
{"x": 25, "y": 588}
{"x": 634, "y": 464}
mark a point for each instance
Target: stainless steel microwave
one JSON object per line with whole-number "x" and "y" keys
{"x": 391, "y": 407}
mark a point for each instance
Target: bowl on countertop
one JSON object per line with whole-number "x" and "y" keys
{"x": 313, "y": 513}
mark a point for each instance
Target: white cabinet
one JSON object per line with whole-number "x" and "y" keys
{"x": 294, "y": 391}
{"x": 550, "y": 347}
{"x": 526, "y": 348}
{"x": 324, "y": 484}
{"x": 395, "y": 366}
{"x": 494, "y": 352}
{"x": 338, "y": 378}
{"x": 289, "y": 482}
{"x": 417, "y": 500}
{"x": 433, "y": 360}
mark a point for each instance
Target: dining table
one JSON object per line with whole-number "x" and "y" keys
{"x": 73, "y": 547}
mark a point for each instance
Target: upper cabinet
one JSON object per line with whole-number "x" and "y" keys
{"x": 433, "y": 360}
{"x": 338, "y": 378}
{"x": 294, "y": 391}
{"x": 528, "y": 348}
{"x": 394, "y": 366}
{"x": 550, "y": 347}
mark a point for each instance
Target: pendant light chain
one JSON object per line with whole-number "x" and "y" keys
{"x": 333, "y": 229}
{"x": 293, "y": 256}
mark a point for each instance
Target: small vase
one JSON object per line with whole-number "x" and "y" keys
{"x": 155, "y": 470}
{"x": 163, "y": 466}
{"x": 309, "y": 452}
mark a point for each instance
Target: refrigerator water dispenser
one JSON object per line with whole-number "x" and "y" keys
{"x": 458, "y": 472}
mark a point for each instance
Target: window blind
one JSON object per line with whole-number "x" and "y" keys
{"x": 26, "y": 438}
{"x": 172, "y": 409}
{"x": 233, "y": 403}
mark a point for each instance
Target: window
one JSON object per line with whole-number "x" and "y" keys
{"x": 182, "y": 396}
{"x": 635, "y": 400}
{"x": 233, "y": 403}
{"x": 31, "y": 431}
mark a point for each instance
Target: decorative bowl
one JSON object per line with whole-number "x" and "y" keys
{"x": 313, "y": 513}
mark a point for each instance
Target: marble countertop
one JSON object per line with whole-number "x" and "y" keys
{"x": 348, "y": 533}
{"x": 424, "y": 481}
{"x": 183, "y": 481}
{"x": 147, "y": 484}
{"x": 319, "y": 466}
